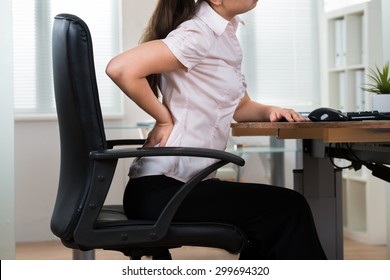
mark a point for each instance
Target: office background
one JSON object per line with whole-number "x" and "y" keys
{"x": 29, "y": 148}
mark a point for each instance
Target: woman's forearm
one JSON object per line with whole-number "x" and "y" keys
{"x": 250, "y": 111}
{"x": 139, "y": 91}
{"x": 130, "y": 69}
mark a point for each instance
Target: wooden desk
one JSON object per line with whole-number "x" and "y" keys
{"x": 328, "y": 132}
{"x": 318, "y": 180}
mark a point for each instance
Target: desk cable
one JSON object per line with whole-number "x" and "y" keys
{"x": 339, "y": 151}
{"x": 378, "y": 170}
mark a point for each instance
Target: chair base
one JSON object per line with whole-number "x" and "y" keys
{"x": 154, "y": 253}
{"x": 83, "y": 255}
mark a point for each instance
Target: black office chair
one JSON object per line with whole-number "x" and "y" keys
{"x": 88, "y": 162}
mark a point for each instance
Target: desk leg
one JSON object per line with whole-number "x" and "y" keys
{"x": 277, "y": 163}
{"x": 320, "y": 183}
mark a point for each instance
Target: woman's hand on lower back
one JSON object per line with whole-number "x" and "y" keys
{"x": 159, "y": 135}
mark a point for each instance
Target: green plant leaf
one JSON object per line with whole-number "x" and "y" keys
{"x": 379, "y": 80}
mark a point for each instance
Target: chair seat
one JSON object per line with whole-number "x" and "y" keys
{"x": 190, "y": 234}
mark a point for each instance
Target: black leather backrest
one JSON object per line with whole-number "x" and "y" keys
{"x": 79, "y": 117}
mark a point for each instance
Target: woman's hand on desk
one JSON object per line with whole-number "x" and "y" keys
{"x": 285, "y": 114}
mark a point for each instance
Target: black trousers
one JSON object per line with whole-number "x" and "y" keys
{"x": 277, "y": 221}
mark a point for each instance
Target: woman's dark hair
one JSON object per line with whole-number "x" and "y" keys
{"x": 167, "y": 16}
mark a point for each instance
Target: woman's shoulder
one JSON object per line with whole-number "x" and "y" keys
{"x": 192, "y": 37}
{"x": 198, "y": 24}
{"x": 197, "y": 29}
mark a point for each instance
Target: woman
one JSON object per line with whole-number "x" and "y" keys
{"x": 191, "y": 54}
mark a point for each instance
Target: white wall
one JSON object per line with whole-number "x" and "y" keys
{"x": 36, "y": 177}
{"x": 7, "y": 189}
{"x": 385, "y": 29}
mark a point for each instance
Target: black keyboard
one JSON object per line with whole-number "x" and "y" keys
{"x": 367, "y": 115}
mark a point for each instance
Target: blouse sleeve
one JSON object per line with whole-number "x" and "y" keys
{"x": 189, "y": 44}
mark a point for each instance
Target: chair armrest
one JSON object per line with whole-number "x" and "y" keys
{"x": 165, "y": 219}
{"x": 124, "y": 142}
{"x": 167, "y": 151}
{"x": 157, "y": 231}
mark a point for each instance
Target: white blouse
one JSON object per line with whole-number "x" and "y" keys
{"x": 203, "y": 99}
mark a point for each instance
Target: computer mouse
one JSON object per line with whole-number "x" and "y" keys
{"x": 325, "y": 114}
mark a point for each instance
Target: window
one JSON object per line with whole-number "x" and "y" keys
{"x": 281, "y": 53}
{"x": 32, "y": 24}
{"x": 330, "y": 5}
